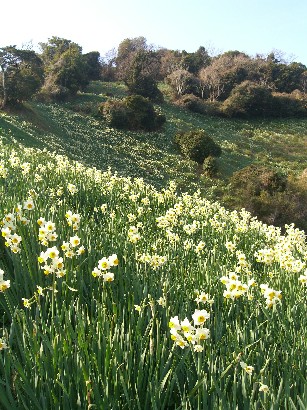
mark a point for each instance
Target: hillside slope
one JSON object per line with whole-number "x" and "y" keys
{"x": 117, "y": 295}
{"x": 75, "y": 129}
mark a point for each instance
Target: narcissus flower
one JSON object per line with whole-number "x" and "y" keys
{"x": 264, "y": 388}
{"x": 113, "y": 260}
{"x": 186, "y": 325}
{"x": 174, "y": 323}
{"x": 104, "y": 264}
{"x": 74, "y": 241}
{"x": 3, "y": 345}
{"x": 202, "y": 333}
{"x": 200, "y": 316}
{"x": 29, "y": 204}
{"x": 108, "y": 277}
{"x": 4, "y": 284}
{"x": 248, "y": 369}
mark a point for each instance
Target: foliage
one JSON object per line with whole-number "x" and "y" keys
{"x": 140, "y": 75}
{"x": 182, "y": 82}
{"x": 147, "y": 87}
{"x": 210, "y": 166}
{"x": 115, "y": 113}
{"x": 289, "y": 105}
{"x": 223, "y": 74}
{"x": 192, "y": 103}
{"x": 134, "y": 112}
{"x": 93, "y": 65}
{"x": 194, "y": 62}
{"x": 197, "y": 145}
{"x": 257, "y": 178}
{"x": 287, "y": 77}
{"x": 248, "y": 99}
{"x": 21, "y": 74}
{"x": 271, "y": 195}
{"x": 66, "y": 69}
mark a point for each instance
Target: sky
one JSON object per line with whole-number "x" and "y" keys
{"x": 250, "y": 26}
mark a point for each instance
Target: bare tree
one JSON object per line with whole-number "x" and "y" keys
{"x": 180, "y": 80}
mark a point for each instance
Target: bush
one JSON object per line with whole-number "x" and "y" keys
{"x": 115, "y": 113}
{"x": 248, "y": 99}
{"x": 285, "y": 205}
{"x": 210, "y": 166}
{"x": 197, "y": 145}
{"x": 268, "y": 194}
{"x": 191, "y": 103}
{"x": 289, "y": 105}
{"x": 52, "y": 93}
{"x": 134, "y": 113}
{"x": 254, "y": 179}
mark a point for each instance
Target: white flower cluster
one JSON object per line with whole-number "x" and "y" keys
{"x": 133, "y": 234}
{"x": 271, "y": 296}
{"x": 155, "y": 261}
{"x": 102, "y": 270}
{"x": 184, "y": 332}
{"x": 235, "y": 287}
{"x": 73, "y": 220}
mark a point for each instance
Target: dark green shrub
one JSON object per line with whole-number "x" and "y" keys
{"x": 288, "y": 105}
{"x": 254, "y": 179}
{"x": 248, "y": 99}
{"x": 115, "y": 113}
{"x": 273, "y": 197}
{"x": 197, "y": 145}
{"x": 191, "y": 103}
{"x": 52, "y": 93}
{"x": 213, "y": 107}
{"x": 142, "y": 115}
{"x": 210, "y": 166}
{"x": 133, "y": 113}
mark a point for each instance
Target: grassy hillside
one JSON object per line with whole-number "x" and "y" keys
{"x": 116, "y": 295}
{"x": 75, "y": 130}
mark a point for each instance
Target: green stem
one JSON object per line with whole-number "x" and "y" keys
{"x": 198, "y": 378}
{"x": 52, "y": 304}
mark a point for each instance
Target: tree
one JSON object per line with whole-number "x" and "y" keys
{"x": 303, "y": 82}
{"x": 108, "y": 65}
{"x": 211, "y": 83}
{"x": 223, "y": 74}
{"x": 140, "y": 76}
{"x": 193, "y": 62}
{"x": 134, "y": 113}
{"x": 21, "y": 72}
{"x": 138, "y": 65}
{"x": 130, "y": 46}
{"x": 288, "y": 77}
{"x": 93, "y": 65}
{"x": 182, "y": 81}
{"x": 66, "y": 69}
{"x": 170, "y": 62}
{"x": 126, "y": 52}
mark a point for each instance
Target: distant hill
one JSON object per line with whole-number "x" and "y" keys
{"x": 76, "y": 129}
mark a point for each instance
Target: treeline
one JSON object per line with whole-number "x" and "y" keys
{"x": 232, "y": 83}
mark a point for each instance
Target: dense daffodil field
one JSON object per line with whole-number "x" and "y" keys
{"x": 115, "y": 295}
